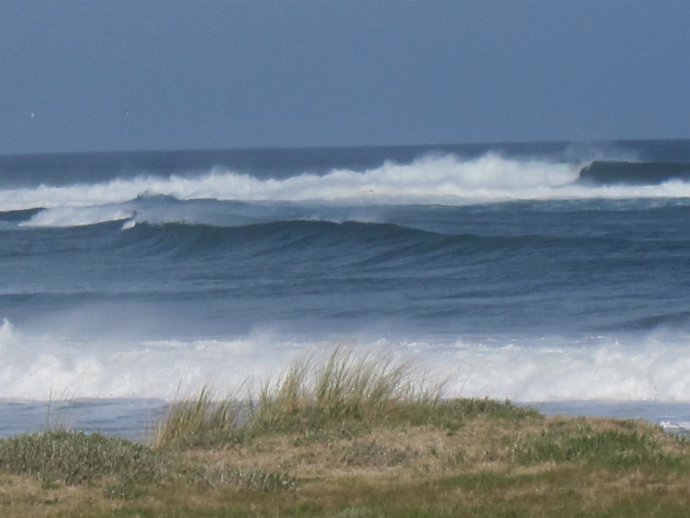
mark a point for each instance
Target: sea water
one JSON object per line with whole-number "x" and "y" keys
{"x": 551, "y": 274}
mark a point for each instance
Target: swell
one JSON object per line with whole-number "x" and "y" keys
{"x": 275, "y": 239}
{"x": 437, "y": 236}
{"x": 356, "y": 243}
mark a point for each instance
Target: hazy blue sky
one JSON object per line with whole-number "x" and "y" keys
{"x": 97, "y": 75}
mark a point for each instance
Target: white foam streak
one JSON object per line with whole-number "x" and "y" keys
{"x": 40, "y": 367}
{"x": 75, "y": 217}
{"x": 437, "y": 179}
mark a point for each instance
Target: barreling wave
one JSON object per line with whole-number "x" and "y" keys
{"x": 602, "y": 173}
{"x": 18, "y": 216}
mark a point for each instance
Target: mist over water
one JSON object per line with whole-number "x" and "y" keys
{"x": 524, "y": 272}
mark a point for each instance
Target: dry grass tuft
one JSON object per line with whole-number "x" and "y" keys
{"x": 196, "y": 422}
{"x": 343, "y": 396}
{"x": 345, "y": 390}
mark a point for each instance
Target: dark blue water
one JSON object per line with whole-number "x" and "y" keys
{"x": 540, "y": 272}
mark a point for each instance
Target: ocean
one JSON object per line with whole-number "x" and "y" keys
{"x": 551, "y": 274}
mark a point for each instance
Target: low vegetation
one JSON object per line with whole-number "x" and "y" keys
{"x": 199, "y": 421}
{"x": 74, "y": 458}
{"x": 352, "y": 436}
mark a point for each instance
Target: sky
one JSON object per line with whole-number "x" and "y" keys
{"x": 157, "y": 75}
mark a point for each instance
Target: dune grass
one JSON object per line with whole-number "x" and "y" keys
{"x": 345, "y": 391}
{"x": 351, "y": 436}
{"x": 345, "y": 394}
{"x": 197, "y": 421}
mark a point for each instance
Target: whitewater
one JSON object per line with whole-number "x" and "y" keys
{"x": 549, "y": 274}
{"x": 428, "y": 180}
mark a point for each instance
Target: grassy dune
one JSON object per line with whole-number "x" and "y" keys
{"x": 351, "y": 437}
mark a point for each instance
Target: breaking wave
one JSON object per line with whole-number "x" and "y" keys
{"x": 642, "y": 369}
{"x": 430, "y": 180}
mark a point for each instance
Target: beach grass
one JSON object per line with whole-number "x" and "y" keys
{"x": 351, "y": 436}
{"x": 345, "y": 392}
{"x": 197, "y": 421}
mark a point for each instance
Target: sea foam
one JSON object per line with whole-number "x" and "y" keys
{"x": 38, "y": 367}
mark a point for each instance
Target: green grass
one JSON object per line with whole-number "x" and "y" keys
{"x": 623, "y": 447}
{"x": 75, "y": 457}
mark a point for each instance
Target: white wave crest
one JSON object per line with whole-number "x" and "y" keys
{"x": 433, "y": 179}
{"x": 77, "y": 216}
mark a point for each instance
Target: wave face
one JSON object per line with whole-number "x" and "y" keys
{"x": 530, "y": 272}
{"x": 602, "y": 172}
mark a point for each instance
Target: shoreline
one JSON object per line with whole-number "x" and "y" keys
{"x": 135, "y": 418}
